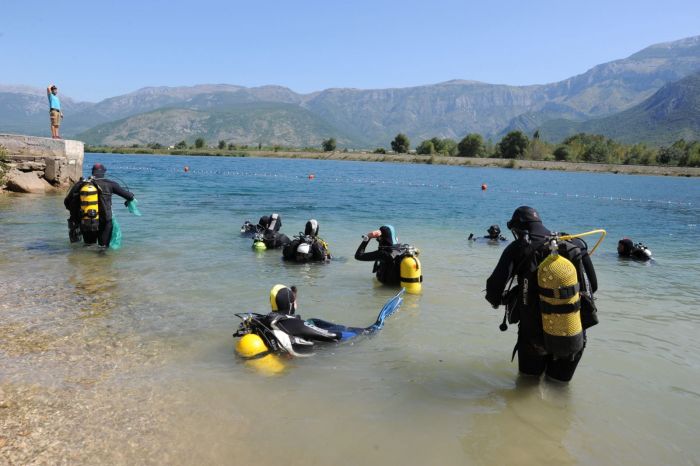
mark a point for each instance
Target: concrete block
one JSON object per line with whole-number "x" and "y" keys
{"x": 60, "y": 159}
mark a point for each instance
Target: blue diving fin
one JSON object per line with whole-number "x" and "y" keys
{"x": 388, "y": 310}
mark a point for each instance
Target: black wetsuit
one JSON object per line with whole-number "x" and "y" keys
{"x": 270, "y": 226}
{"x": 384, "y": 258}
{"x": 637, "y": 251}
{"x": 275, "y": 239}
{"x": 317, "y": 250}
{"x": 106, "y": 188}
{"x": 532, "y": 358}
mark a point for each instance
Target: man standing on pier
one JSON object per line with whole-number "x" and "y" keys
{"x": 55, "y": 112}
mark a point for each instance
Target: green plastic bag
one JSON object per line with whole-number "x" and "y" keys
{"x": 116, "y": 241}
{"x": 133, "y": 207}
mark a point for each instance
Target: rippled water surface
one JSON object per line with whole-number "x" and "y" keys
{"x": 127, "y": 356}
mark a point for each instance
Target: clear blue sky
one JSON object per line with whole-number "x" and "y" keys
{"x": 97, "y": 49}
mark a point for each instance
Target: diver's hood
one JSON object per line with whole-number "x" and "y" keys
{"x": 388, "y": 237}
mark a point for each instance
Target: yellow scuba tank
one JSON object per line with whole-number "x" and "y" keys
{"x": 89, "y": 210}
{"x": 411, "y": 274}
{"x": 560, "y": 305}
{"x": 252, "y": 348}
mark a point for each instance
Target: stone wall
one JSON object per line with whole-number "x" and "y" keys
{"x": 36, "y": 165}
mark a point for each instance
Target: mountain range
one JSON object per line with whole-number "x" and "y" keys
{"x": 369, "y": 118}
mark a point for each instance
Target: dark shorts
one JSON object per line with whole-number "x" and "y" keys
{"x": 55, "y": 116}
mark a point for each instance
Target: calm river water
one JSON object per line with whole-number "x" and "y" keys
{"x": 127, "y": 357}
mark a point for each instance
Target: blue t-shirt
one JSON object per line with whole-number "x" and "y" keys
{"x": 54, "y": 102}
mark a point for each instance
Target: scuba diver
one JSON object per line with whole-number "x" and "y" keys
{"x": 494, "y": 235}
{"x": 394, "y": 263}
{"x": 248, "y": 229}
{"x": 307, "y": 246}
{"x": 90, "y": 205}
{"x": 637, "y": 251}
{"x": 282, "y": 331}
{"x": 552, "y": 301}
{"x": 270, "y": 237}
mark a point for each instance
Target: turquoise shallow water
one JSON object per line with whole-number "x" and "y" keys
{"x": 435, "y": 386}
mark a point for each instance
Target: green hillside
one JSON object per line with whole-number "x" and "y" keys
{"x": 245, "y": 123}
{"x": 672, "y": 113}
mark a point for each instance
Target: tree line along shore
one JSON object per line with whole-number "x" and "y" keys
{"x": 581, "y": 152}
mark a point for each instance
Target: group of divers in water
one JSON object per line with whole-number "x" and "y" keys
{"x": 544, "y": 279}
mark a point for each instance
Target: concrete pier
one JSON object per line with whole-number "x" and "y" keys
{"x": 34, "y": 164}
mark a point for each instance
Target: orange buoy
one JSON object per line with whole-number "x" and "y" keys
{"x": 484, "y": 187}
{"x": 186, "y": 168}
{"x": 311, "y": 176}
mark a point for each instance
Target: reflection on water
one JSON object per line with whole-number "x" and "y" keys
{"x": 127, "y": 357}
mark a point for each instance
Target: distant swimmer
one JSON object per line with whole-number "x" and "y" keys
{"x": 90, "y": 205}
{"x": 627, "y": 248}
{"x": 494, "y": 235}
{"x": 394, "y": 263}
{"x": 307, "y": 246}
{"x": 552, "y": 299}
{"x": 282, "y": 331}
{"x": 270, "y": 236}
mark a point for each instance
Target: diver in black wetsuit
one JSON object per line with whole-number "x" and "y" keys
{"x": 385, "y": 266}
{"x": 297, "y": 336}
{"x": 307, "y": 246}
{"x": 516, "y": 261}
{"x": 105, "y": 189}
{"x": 281, "y": 331}
{"x": 494, "y": 235}
{"x": 627, "y": 248}
{"x": 271, "y": 235}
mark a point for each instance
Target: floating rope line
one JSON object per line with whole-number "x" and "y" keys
{"x": 366, "y": 181}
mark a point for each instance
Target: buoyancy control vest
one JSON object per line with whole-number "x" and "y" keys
{"x": 89, "y": 208}
{"x": 306, "y": 248}
{"x": 553, "y": 300}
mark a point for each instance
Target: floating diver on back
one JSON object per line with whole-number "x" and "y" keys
{"x": 307, "y": 246}
{"x": 264, "y": 337}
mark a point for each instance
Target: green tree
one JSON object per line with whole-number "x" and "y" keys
{"x": 639, "y": 154}
{"x": 692, "y": 155}
{"x": 472, "y": 145}
{"x": 596, "y": 152}
{"x": 513, "y": 145}
{"x": 426, "y": 147}
{"x": 670, "y": 155}
{"x": 222, "y": 144}
{"x": 199, "y": 143}
{"x": 379, "y": 150}
{"x": 400, "y": 144}
{"x": 445, "y": 146}
{"x": 562, "y": 153}
{"x": 328, "y": 145}
{"x": 231, "y": 146}
{"x": 181, "y": 145}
